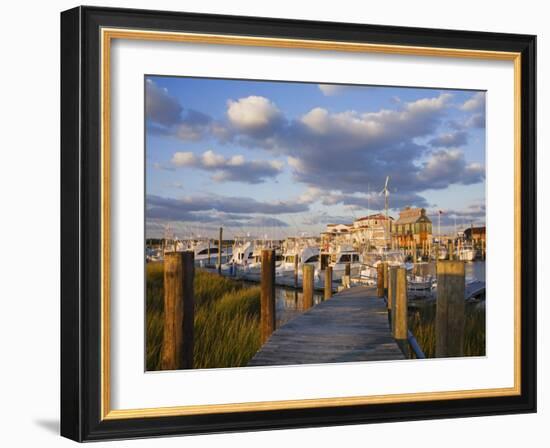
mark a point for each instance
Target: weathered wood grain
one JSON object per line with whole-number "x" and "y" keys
{"x": 351, "y": 326}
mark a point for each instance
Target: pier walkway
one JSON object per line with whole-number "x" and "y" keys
{"x": 350, "y": 326}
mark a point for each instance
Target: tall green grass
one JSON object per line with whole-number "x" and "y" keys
{"x": 422, "y": 326}
{"x": 227, "y": 322}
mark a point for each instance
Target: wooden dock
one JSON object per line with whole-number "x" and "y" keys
{"x": 351, "y": 326}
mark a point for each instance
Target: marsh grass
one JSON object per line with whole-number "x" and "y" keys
{"x": 422, "y": 326}
{"x": 227, "y": 322}
{"x": 227, "y": 325}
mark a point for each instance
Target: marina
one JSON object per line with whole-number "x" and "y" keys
{"x": 356, "y": 292}
{"x": 349, "y": 320}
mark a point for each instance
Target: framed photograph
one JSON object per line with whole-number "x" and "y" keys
{"x": 277, "y": 224}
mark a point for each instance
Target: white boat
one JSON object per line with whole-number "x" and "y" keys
{"x": 442, "y": 252}
{"x": 420, "y": 283}
{"x": 206, "y": 251}
{"x": 254, "y": 263}
{"x": 242, "y": 254}
{"x": 344, "y": 255}
{"x": 153, "y": 254}
{"x": 371, "y": 260}
{"x": 303, "y": 255}
{"x": 466, "y": 252}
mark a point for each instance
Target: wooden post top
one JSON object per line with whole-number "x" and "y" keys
{"x": 451, "y": 267}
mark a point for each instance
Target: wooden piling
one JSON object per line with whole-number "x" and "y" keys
{"x": 307, "y": 284}
{"x": 220, "y": 242}
{"x": 296, "y": 270}
{"x": 328, "y": 282}
{"x": 385, "y": 265}
{"x": 399, "y": 311}
{"x": 449, "y": 323}
{"x": 267, "y": 297}
{"x": 392, "y": 278}
{"x": 380, "y": 280}
{"x": 324, "y": 261}
{"x": 179, "y": 311}
{"x": 348, "y": 270}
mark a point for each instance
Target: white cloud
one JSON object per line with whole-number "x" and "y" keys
{"x": 160, "y": 107}
{"x": 331, "y": 89}
{"x": 451, "y": 139}
{"x": 212, "y": 160}
{"x": 317, "y": 119}
{"x": 475, "y": 103}
{"x": 295, "y": 163}
{"x": 252, "y": 113}
{"x": 236, "y": 160}
{"x": 450, "y": 167}
{"x": 234, "y": 168}
{"x": 180, "y": 159}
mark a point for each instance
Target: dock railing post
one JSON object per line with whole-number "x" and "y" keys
{"x": 307, "y": 285}
{"x": 179, "y": 311}
{"x": 220, "y": 246}
{"x": 449, "y": 319}
{"x": 346, "y": 278}
{"x": 328, "y": 282}
{"x": 399, "y": 310}
{"x": 385, "y": 278}
{"x": 296, "y": 271}
{"x": 267, "y": 295}
{"x": 392, "y": 284}
{"x": 380, "y": 280}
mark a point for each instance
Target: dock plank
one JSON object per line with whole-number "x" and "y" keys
{"x": 351, "y": 326}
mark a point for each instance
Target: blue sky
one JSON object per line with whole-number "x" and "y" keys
{"x": 285, "y": 158}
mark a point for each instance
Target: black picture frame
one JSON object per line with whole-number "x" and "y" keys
{"x": 81, "y": 224}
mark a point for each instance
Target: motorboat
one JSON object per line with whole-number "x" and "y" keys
{"x": 300, "y": 255}
{"x": 344, "y": 255}
{"x": 466, "y": 252}
{"x": 205, "y": 250}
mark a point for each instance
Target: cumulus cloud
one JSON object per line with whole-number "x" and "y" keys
{"x": 254, "y": 114}
{"x": 166, "y": 116}
{"x": 325, "y": 218}
{"x": 476, "y": 121}
{"x": 374, "y": 200}
{"x": 332, "y": 89}
{"x": 160, "y": 107}
{"x": 234, "y": 168}
{"x": 337, "y": 155}
{"x": 231, "y": 211}
{"x": 341, "y": 151}
{"x": 475, "y": 103}
{"x": 449, "y": 167}
{"x": 473, "y": 213}
{"x": 450, "y": 140}
{"x": 347, "y": 150}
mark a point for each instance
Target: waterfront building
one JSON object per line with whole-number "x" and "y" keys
{"x": 412, "y": 227}
{"x": 372, "y": 231}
